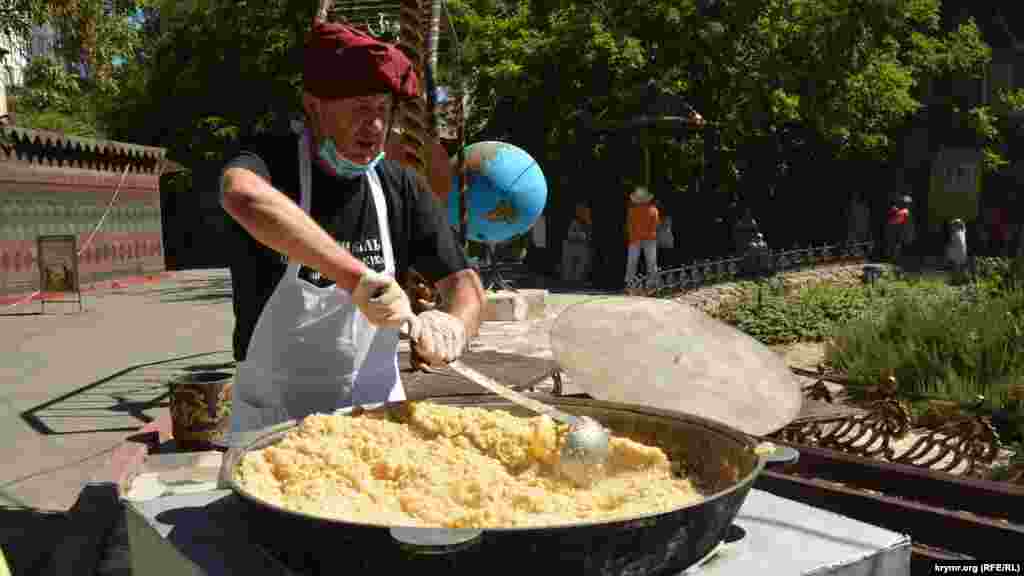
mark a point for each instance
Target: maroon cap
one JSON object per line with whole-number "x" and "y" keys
{"x": 343, "y": 62}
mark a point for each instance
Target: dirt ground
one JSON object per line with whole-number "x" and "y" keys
{"x": 806, "y": 355}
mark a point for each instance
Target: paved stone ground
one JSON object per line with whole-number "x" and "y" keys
{"x": 72, "y": 385}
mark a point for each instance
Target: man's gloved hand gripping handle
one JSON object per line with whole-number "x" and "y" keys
{"x": 439, "y": 337}
{"x": 381, "y": 299}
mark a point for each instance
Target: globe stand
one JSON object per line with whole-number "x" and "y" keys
{"x": 490, "y": 275}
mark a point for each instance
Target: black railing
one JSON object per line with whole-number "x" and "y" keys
{"x": 753, "y": 265}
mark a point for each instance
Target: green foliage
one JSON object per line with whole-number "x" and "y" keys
{"x": 939, "y": 341}
{"x": 94, "y": 33}
{"x": 54, "y": 99}
{"x": 772, "y": 317}
{"x": 999, "y": 276}
{"x": 17, "y": 17}
{"x": 49, "y": 86}
{"x": 1003, "y": 472}
{"x": 62, "y": 122}
{"x": 216, "y": 70}
{"x": 849, "y": 70}
{"x": 814, "y": 313}
{"x": 992, "y": 125}
{"x": 1011, "y": 100}
{"x": 940, "y": 345}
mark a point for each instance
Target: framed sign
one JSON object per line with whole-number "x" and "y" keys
{"x": 58, "y": 267}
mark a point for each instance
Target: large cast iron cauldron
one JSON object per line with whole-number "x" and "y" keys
{"x": 720, "y": 461}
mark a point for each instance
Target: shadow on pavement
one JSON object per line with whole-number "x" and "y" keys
{"x": 211, "y": 367}
{"x": 121, "y": 398}
{"x": 210, "y": 290}
{"x": 27, "y": 537}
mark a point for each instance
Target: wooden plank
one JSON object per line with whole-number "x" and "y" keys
{"x": 978, "y": 537}
{"x": 90, "y": 523}
{"x": 983, "y": 497}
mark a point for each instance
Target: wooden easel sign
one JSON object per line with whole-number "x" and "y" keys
{"x": 58, "y": 269}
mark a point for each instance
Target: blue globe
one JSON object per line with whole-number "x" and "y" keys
{"x": 506, "y": 192}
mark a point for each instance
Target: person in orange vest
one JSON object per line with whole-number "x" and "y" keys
{"x": 642, "y": 226}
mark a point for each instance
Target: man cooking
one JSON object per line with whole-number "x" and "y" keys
{"x": 326, "y": 225}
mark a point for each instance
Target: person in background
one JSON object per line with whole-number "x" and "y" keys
{"x": 956, "y": 248}
{"x": 666, "y": 239}
{"x": 576, "y": 249}
{"x": 642, "y": 227}
{"x": 537, "y": 251}
{"x": 896, "y": 227}
{"x": 585, "y": 217}
{"x": 745, "y": 230}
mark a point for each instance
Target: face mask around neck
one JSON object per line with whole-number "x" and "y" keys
{"x": 343, "y": 167}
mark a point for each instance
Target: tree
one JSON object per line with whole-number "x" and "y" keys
{"x": 216, "y": 71}
{"x": 773, "y": 76}
{"x": 96, "y": 34}
{"x": 53, "y": 99}
{"x": 18, "y": 17}
{"x": 848, "y": 70}
{"x": 67, "y": 92}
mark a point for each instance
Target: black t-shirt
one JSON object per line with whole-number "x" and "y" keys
{"x": 420, "y": 236}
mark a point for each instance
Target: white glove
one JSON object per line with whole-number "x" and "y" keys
{"x": 381, "y": 300}
{"x": 439, "y": 337}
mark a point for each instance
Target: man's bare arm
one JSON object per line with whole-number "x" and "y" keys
{"x": 463, "y": 297}
{"x": 274, "y": 220}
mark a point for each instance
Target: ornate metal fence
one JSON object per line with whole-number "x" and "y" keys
{"x": 751, "y": 266}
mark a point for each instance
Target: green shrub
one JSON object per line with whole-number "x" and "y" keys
{"x": 809, "y": 315}
{"x": 1002, "y": 472}
{"x": 996, "y": 276}
{"x": 813, "y": 313}
{"x": 938, "y": 346}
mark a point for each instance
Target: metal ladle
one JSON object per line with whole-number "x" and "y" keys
{"x": 586, "y": 444}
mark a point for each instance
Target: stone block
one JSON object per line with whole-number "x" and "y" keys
{"x": 505, "y": 307}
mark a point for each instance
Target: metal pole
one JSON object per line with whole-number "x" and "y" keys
{"x": 460, "y": 171}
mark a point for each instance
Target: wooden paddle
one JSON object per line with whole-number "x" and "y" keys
{"x": 669, "y": 355}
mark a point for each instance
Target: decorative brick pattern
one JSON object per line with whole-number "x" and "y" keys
{"x": 54, "y": 184}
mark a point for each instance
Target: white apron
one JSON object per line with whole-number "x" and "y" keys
{"x": 312, "y": 350}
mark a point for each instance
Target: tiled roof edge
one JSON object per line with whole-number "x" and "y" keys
{"x": 42, "y": 147}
